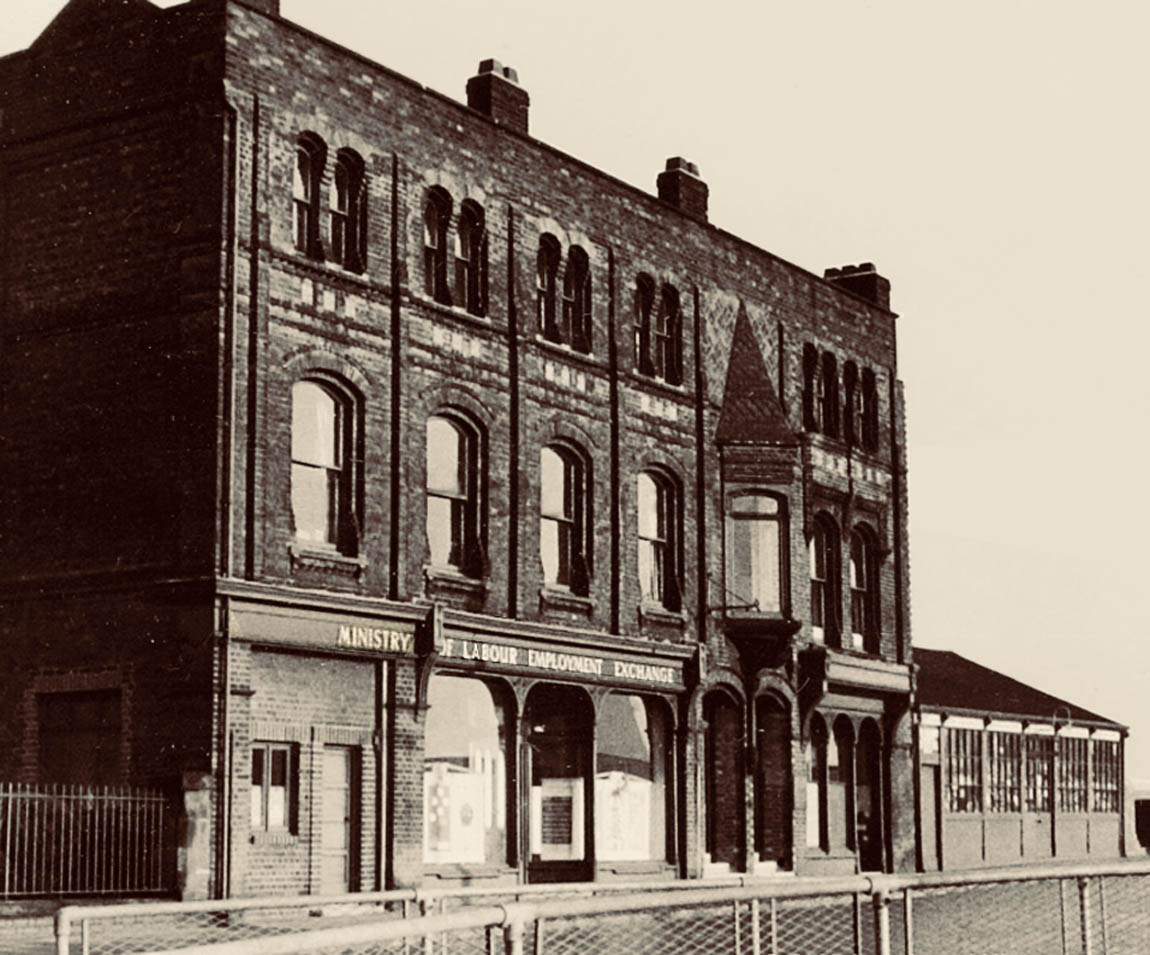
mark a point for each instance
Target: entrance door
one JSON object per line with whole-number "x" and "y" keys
{"x": 724, "y": 782}
{"x": 929, "y": 789}
{"x": 339, "y": 826}
{"x": 558, "y": 734}
{"x": 773, "y": 796}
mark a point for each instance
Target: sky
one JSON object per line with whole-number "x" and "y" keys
{"x": 992, "y": 159}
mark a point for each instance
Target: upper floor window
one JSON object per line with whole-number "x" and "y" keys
{"x": 828, "y": 396}
{"x": 852, "y": 407}
{"x": 667, "y": 339}
{"x": 348, "y": 211}
{"x": 471, "y": 260}
{"x": 644, "y": 305}
{"x": 825, "y": 577}
{"x": 864, "y": 590}
{"x": 436, "y": 218}
{"x": 546, "y": 273}
{"x": 756, "y": 532}
{"x": 321, "y": 478}
{"x": 869, "y": 423}
{"x": 564, "y": 518}
{"x": 454, "y": 532}
{"x": 660, "y": 539}
{"x": 575, "y": 325}
{"x": 307, "y": 173}
{"x": 821, "y": 393}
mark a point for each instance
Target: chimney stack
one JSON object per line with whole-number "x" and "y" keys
{"x": 495, "y": 92}
{"x": 680, "y": 186}
{"x": 863, "y": 281}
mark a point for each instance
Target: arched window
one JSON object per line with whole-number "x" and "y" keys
{"x": 667, "y": 339}
{"x": 465, "y": 772}
{"x": 829, "y": 396}
{"x": 575, "y": 328}
{"x": 644, "y": 305}
{"x": 633, "y": 805}
{"x": 868, "y": 815}
{"x": 321, "y": 478}
{"x": 825, "y": 576}
{"x": 546, "y": 271}
{"x": 852, "y": 416}
{"x": 310, "y": 155}
{"x": 348, "y": 211}
{"x": 864, "y": 590}
{"x": 471, "y": 260}
{"x": 811, "y": 387}
{"x": 723, "y": 767}
{"x": 869, "y": 411}
{"x": 454, "y": 519}
{"x": 565, "y": 518}
{"x": 756, "y": 525}
{"x": 436, "y": 218}
{"x": 660, "y": 539}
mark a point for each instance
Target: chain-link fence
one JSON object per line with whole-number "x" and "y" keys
{"x": 1083, "y": 910}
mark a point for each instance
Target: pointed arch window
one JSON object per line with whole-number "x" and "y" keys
{"x": 436, "y": 219}
{"x": 829, "y": 396}
{"x": 825, "y": 586}
{"x": 660, "y": 539}
{"x": 471, "y": 260}
{"x": 864, "y": 590}
{"x": 454, "y": 488}
{"x": 852, "y": 409}
{"x": 307, "y": 173}
{"x": 348, "y": 201}
{"x": 546, "y": 273}
{"x": 575, "y": 327}
{"x": 565, "y": 518}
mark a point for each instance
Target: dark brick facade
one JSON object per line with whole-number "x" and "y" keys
{"x": 158, "y": 314}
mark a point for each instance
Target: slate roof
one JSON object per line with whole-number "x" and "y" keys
{"x": 948, "y": 681}
{"x": 751, "y": 410}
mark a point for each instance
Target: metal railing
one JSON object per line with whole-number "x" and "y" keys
{"x": 82, "y": 840}
{"x": 1053, "y": 910}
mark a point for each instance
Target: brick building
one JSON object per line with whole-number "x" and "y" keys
{"x": 1009, "y": 774}
{"x": 419, "y": 503}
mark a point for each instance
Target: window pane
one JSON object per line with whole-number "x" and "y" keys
{"x": 310, "y": 502}
{"x": 649, "y": 507}
{"x": 549, "y": 549}
{"x": 464, "y": 773}
{"x": 315, "y": 425}
{"x": 444, "y": 460}
{"x": 553, "y": 499}
{"x": 439, "y": 530}
{"x": 651, "y": 569}
{"x": 754, "y": 504}
{"x": 753, "y": 563}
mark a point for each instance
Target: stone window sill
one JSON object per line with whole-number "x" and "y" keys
{"x": 274, "y": 839}
{"x": 305, "y": 557}
{"x": 651, "y": 613}
{"x": 553, "y": 597}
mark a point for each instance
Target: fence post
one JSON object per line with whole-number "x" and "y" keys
{"x": 738, "y": 934}
{"x": 907, "y": 922}
{"x": 1084, "y": 912}
{"x": 881, "y": 902}
{"x": 756, "y": 932}
{"x": 774, "y": 927}
{"x": 63, "y": 930}
{"x": 513, "y": 934}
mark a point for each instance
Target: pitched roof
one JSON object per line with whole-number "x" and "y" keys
{"x": 949, "y": 681}
{"x": 751, "y": 410}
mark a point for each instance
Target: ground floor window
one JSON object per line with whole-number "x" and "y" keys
{"x": 1039, "y": 755}
{"x": 632, "y": 769}
{"x": 465, "y": 772}
{"x": 1071, "y": 774}
{"x": 274, "y": 785}
{"x": 1005, "y": 755}
{"x": 963, "y": 770}
{"x": 1106, "y": 772}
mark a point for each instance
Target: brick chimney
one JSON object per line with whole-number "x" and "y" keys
{"x": 863, "y": 281}
{"x": 680, "y": 186}
{"x": 495, "y": 92}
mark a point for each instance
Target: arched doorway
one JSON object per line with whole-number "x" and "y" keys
{"x": 868, "y": 798}
{"x": 723, "y": 762}
{"x": 558, "y": 729}
{"x": 773, "y": 784}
